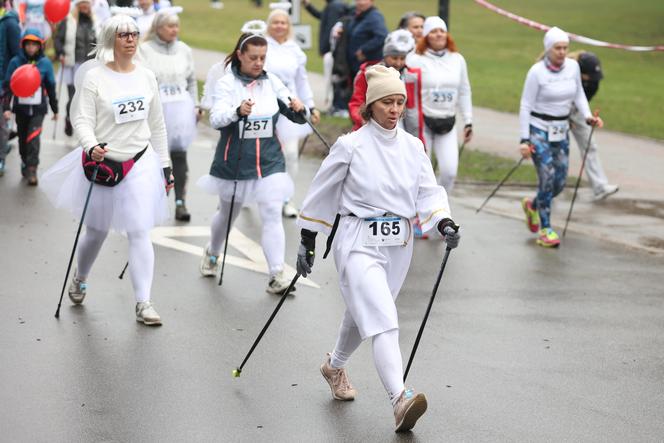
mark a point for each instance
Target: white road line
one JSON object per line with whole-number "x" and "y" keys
{"x": 254, "y": 261}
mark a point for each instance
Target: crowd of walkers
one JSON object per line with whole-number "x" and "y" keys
{"x": 133, "y": 108}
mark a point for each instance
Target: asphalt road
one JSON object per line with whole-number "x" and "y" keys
{"x": 523, "y": 344}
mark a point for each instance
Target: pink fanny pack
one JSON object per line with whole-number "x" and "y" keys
{"x": 110, "y": 171}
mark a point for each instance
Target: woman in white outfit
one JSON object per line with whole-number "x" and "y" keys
{"x": 246, "y": 105}
{"x": 445, "y": 86}
{"x": 372, "y": 184}
{"x": 287, "y": 61}
{"x": 117, "y": 105}
{"x": 173, "y": 63}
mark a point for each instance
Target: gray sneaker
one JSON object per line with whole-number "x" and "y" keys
{"x": 408, "y": 409}
{"x": 608, "y": 190}
{"x": 209, "y": 264}
{"x": 278, "y": 284}
{"x": 146, "y": 313}
{"x": 337, "y": 378}
{"x": 77, "y": 291}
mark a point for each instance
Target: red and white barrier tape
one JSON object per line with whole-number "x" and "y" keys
{"x": 578, "y": 38}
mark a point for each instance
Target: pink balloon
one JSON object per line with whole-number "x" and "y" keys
{"x": 56, "y": 10}
{"x": 25, "y": 80}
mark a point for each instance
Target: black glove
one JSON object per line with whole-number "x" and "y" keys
{"x": 450, "y": 231}
{"x": 306, "y": 252}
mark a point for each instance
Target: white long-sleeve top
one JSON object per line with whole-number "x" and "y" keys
{"x": 551, "y": 93}
{"x": 370, "y": 172}
{"x": 94, "y": 116}
{"x": 288, "y": 62}
{"x": 172, "y": 64}
{"x": 230, "y": 91}
{"x": 445, "y": 84}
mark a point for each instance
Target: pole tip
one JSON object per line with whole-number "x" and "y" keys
{"x": 237, "y": 372}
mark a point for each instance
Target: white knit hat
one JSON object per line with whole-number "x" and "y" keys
{"x": 432, "y": 23}
{"x": 399, "y": 42}
{"x": 383, "y": 81}
{"x": 553, "y": 36}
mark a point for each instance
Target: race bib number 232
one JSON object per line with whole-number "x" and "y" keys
{"x": 130, "y": 109}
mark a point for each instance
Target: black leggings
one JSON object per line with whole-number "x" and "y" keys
{"x": 180, "y": 169}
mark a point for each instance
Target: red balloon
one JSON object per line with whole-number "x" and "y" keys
{"x": 25, "y": 80}
{"x": 56, "y": 10}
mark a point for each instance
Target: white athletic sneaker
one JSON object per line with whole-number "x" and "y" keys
{"x": 337, "y": 378}
{"x": 278, "y": 284}
{"x": 209, "y": 264}
{"x": 608, "y": 190}
{"x": 77, "y": 290}
{"x": 289, "y": 211}
{"x": 408, "y": 409}
{"x": 146, "y": 313}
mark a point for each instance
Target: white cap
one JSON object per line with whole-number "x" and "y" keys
{"x": 432, "y": 23}
{"x": 553, "y": 36}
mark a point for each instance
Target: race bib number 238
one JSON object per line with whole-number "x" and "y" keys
{"x": 130, "y": 109}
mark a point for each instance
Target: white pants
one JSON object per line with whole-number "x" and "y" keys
{"x": 447, "y": 154}
{"x": 593, "y": 166}
{"x": 291, "y": 148}
{"x": 328, "y": 64}
{"x": 141, "y": 259}
{"x": 273, "y": 238}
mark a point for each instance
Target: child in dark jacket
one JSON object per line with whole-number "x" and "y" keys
{"x": 30, "y": 111}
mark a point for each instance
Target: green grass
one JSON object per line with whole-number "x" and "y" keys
{"x": 500, "y": 51}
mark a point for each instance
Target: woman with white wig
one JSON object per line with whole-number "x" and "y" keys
{"x": 553, "y": 86}
{"x": 173, "y": 63}
{"x": 117, "y": 117}
{"x": 287, "y": 61}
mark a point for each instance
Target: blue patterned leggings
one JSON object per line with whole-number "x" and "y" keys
{"x": 551, "y": 160}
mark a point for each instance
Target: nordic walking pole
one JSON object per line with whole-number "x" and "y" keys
{"x": 426, "y": 314}
{"x": 463, "y": 145}
{"x": 509, "y": 174}
{"x": 58, "y": 94}
{"x": 327, "y": 145}
{"x": 237, "y": 371}
{"x": 241, "y": 127}
{"x": 78, "y": 233}
{"x": 578, "y": 180}
{"x": 123, "y": 270}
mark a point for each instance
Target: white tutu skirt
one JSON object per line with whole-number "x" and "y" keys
{"x": 180, "y": 123}
{"x": 137, "y": 203}
{"x": 274, "y": 187}
{"x": 287, "y": 130}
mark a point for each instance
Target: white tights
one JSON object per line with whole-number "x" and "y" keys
{"x": 386, "y": 355}
{"x": 273, "y": 238}
{"x": 141, "y": 259}
{"x": 447, "y": 155}
{"x": 291, "y": 148}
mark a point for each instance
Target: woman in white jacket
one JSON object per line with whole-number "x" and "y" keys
{"x": 173, "y": 64}
{"x": 246, "y": 105}
{"x": 287, "y": 61}
{"x": 445, "y": 87}
{"x": 374, "y": 181}
{"x": 118, "y": 120}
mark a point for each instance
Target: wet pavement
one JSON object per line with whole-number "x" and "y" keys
{"x": 523, "y": 343}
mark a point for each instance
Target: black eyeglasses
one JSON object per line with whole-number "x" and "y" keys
{"x": 126, "y": 35}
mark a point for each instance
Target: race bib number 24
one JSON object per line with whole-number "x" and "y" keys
{"x": 130, "y": 109}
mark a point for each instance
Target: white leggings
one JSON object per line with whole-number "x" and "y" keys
{"x": 386, "y": 355}
{"x": 291, "y": 148}
{"x": 447, "y": 154}
{"x": 273, "y": 238}
{"x": 141, "y": 259}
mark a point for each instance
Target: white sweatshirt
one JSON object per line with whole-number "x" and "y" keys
{"x": 445, "y": 84}
{"x": 123, "y": 110}
{"x": 551, "y": 93}
{"x": 370, "y": 172}
{"x": 288, "y": 62}
{"x": 173, "y": 65}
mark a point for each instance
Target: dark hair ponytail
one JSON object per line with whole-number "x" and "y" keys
{"x": 245, "y": 40}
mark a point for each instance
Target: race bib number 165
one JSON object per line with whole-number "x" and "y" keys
{"x": 385, "y": 231}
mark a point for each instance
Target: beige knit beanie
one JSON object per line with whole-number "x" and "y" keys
{"x": 383, "y": 81}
